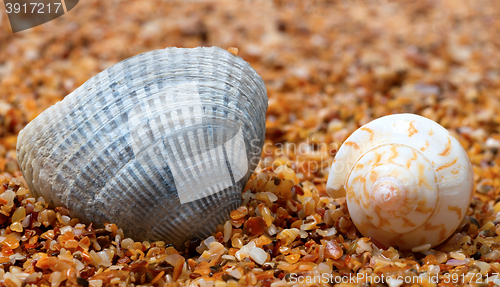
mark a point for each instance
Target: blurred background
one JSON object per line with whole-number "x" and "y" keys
{"x": 329, "y": 65}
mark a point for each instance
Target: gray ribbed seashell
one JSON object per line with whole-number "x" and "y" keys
{"x": 161, "y": 144}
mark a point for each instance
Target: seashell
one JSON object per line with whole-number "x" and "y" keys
{"x": 161, "y": 144}
{"x": 407, "y": 180}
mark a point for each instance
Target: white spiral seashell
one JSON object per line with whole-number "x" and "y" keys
{"x": 407, "y": 181}
{"x": 161, "y": 143}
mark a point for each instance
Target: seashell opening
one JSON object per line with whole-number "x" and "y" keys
{"x": 407, "y": 181}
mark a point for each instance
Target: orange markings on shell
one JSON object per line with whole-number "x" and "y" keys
{"x": 448, "y": 164}
{"x": 421, "y": 206}
{"x": 351, "y": 195}
{"x": 383, "y": 221}
{"x": 412, "y": 130}
{"x": 366, "y": 194}
{"x": 420, "y": 170}
{"x": 421, "y": 178}
{"x": 354, "y": 145}
{"x": 442, "y": 233}
{"x": 358, "y": 178}
{"x": 408, "y": 223}
{"x": 446, "y": 150}
{"x": 359, "y": 166}
{"x": 394, "y": 153}
{"x": 425, "y": 147}
{"x": 423, "y": 181}
{"x": 411, "y": 159}
{"x": 429, "y": 226}
{"x": 457, "y": 210}
{"x": 369, "y": 131}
